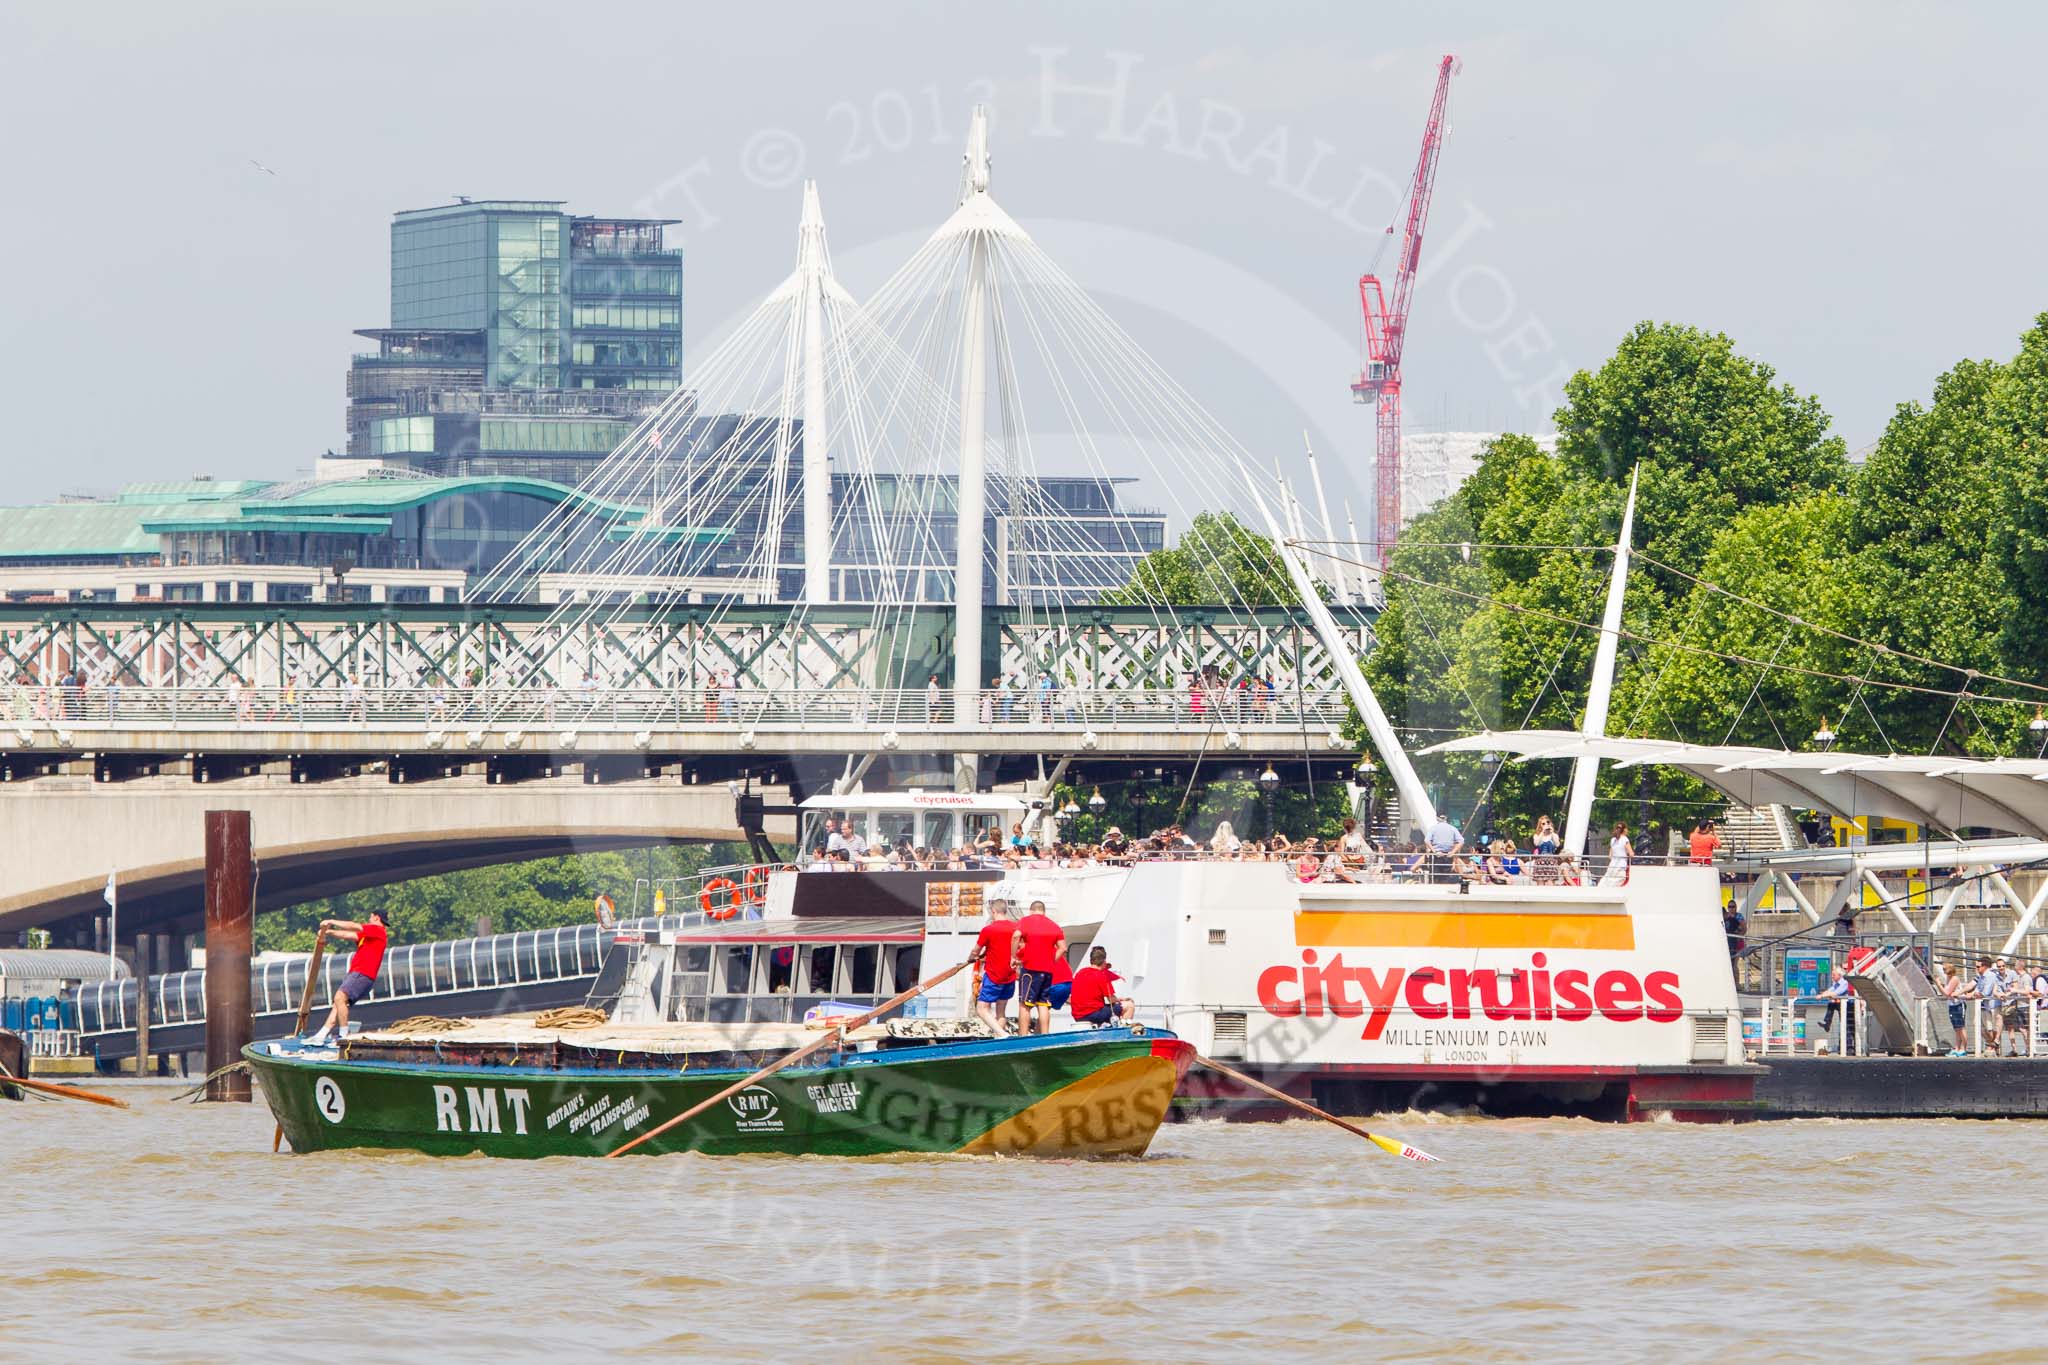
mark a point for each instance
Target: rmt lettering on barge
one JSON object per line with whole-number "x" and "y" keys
{"x": 1316, "y": 989}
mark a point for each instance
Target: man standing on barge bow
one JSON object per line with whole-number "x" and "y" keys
{"x": 363, "y": 965}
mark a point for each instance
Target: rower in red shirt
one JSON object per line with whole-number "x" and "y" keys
{"x": 1095, "y": 1000}
{"x": 370, "y": 939}
{"x": 1044, "y": 946}
{"x": 995, "y": 948}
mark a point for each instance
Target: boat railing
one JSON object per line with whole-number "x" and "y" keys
{"x": 742, "y": 887}
{"x": 53, "y": 1042}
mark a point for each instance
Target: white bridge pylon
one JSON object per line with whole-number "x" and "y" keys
{"x": 1002, "y": 404}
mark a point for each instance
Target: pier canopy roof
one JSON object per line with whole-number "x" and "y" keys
{"x": 55, "y": 964}
{"x": 2009, "y": 795}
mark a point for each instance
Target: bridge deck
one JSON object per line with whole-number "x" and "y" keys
{"x": 628, "y": 720}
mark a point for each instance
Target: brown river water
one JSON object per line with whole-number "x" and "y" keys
{"x": 171, "y": 1233}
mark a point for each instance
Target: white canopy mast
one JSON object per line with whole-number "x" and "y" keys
{"x": 980, "y": 222}
{"x": 813, "y": 270}
{"x": 1586, "y": 770}
{"x": 1417, "y": 810}
{"x": 972, "y": 219}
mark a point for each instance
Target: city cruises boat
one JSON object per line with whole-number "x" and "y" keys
{"x": 1611, "y": 1001}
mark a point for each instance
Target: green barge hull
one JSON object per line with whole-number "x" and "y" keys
{"x": 1086, "y": 1093}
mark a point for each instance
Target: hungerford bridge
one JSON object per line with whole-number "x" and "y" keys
{"x": 375, "y": 744}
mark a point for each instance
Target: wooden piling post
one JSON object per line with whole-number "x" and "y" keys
{"x": 142, "y": 1004}
{"x": 229, "y": 923}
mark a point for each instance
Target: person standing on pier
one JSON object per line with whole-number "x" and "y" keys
{"x": 1957, "y": 991}
{"x": 1987, "y": 983}
{"x": 370, "y": 938}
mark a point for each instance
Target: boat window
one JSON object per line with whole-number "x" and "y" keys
{"x": 906, "y": 961}
{"x": 781, "y": 967}
{"x": 896, "y": 827}
{"x": 730, "y": 1009}
{"x": 976, "y": 822}
{"x": 935, "y": 829}
{"x": 736, "y": 968}
{"x": 819, "y": 962}
{"x": 768, "y": 1009}
{"x": 443, "y": 967}
{"x": 860, "y": 963}
{"x": 689, "y": 978}
{"x": 501, "y": 953}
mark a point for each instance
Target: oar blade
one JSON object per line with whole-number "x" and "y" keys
{"x": 1402, "y": 1149}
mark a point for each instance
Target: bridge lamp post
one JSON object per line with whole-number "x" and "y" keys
{"x": 1363, "y": 774}
{"x": 1269, "y": 783}
{"x": 1489, "y": 763}
{"x": 1066, "y": 819}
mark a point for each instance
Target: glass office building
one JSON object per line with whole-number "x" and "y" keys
{"x": 524, "y": 340}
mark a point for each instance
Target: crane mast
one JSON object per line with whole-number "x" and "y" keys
{"x": 1386, "y": 324}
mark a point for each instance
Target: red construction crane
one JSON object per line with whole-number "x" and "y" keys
{"x": 1386, "y": 327}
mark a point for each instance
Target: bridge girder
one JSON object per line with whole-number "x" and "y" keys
{"x": 155, "y": 645}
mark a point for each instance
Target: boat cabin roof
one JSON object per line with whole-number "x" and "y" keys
{"x": 792, "y": 929}
{"x": 970, "y": 802}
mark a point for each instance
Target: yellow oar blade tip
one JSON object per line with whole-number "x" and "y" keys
{"x": 1402, "y": 1149}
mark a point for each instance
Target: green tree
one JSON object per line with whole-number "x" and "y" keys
{"x": 1710, "y": 429}
{"x": 1479, "y": 627}
{"x": 1788, "y": 557}
{"x": 1218, "y": 560}
{"x": 2017, "y": 407}
{"x": 514, "y": 897}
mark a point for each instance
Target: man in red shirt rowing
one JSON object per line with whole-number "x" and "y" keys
{"x": 1044, "y": 944}
{"x": 1095, "y": 999}
{"x": 363, "y": 965}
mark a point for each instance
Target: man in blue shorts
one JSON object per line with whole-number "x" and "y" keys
{"x": 995, "y": 949}
{"x": 1042, "y": 945}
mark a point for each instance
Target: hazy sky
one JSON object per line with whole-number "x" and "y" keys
{"x": 1855, "y": 192}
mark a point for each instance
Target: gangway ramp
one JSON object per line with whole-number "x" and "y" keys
{"x": 497, "y": 974}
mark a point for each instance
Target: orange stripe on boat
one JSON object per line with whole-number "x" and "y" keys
{"x": 1472, "y": 929}
{"x": 1110, "y": 1112}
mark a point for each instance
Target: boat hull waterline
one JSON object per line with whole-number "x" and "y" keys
{"x": 1098, "y": 1093}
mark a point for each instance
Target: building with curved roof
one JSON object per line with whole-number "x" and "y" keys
{"x": 374, "y": 539}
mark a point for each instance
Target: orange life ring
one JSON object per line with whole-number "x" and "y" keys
{"x": 756, "y": 890}
{"x": 607, "y": 915}
{"x": 735, "y": 897}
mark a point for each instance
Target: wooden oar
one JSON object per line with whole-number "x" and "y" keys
{"x": 305, "y": 1012}
{"x": 1385, "y": 1144}
{"x": 64, "y": 1092}
{"x": 834, "y": 1034}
